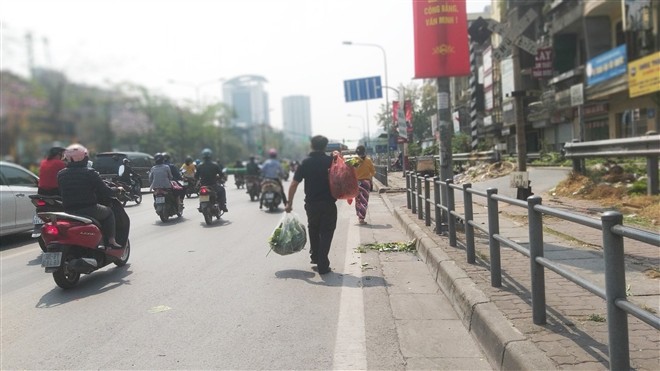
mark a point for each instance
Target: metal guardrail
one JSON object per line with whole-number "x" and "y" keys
{"x": 381, "y": 174}
{"x": 611, "y": 225}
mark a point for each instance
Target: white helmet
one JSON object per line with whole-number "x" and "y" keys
{"x": 75, "y": 152}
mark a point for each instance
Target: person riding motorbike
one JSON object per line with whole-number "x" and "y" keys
{"x": 82, "y": 187}
{"x": 160, "y": 175}
{"x": 208, "y": 173}
{"x": 252, "y": 167}
{"x": 48, "y": 170}
{"x": 179, "y": 191}
{"x": 188, "y": 171}
{"x": 188, "y": 168}
{"x": 126, "y": 173}
{"x": 272, "y": 169}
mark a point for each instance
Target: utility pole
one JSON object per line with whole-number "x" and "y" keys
{"x": 518, "y": 93}
{"x": 445, "y": 129}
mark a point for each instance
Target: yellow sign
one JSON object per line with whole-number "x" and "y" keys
{"x": 644, "y": 75}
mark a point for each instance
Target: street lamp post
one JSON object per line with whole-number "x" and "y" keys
{"x": 363, "y": 126}
{"x": 196, "y": 86}
{"x": 387, "y": 98}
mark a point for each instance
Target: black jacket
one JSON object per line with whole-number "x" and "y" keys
{"x": 206, "y": 173}
{"x": 81, "y": 187}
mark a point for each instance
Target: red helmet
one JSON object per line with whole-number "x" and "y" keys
{"x": 75, "y": 152}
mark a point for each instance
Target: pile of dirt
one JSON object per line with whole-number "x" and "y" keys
{"x": 484, "y": 171}
{"x": 615, "y": 195}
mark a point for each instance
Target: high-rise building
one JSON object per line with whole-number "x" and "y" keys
{"x": 296, "y": 117}
{"x": 247, "y": 96}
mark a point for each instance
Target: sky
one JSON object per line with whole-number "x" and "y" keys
{"x": 180, "y": 47}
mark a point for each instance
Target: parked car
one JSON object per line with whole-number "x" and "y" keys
{"x": 16, "y": 185}
{"x": 107, "y": 164}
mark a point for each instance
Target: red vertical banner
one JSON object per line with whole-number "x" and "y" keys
{"x": 407, "y": 108}
{"x": 395, "y": 116}
{"x": 441, "y": 40}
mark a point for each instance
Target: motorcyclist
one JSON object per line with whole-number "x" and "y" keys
{"x": 252, "y": 167}
{"x": 272, "y": 169}
{"x": 208, "y": 173}
{"x": 82, "y": 187}
{"x": 177, "y": 188}
{"x": 160, "y": 175}
{"x": 127, "y": 174}
{"x": 188, "y": 169}
{"x": 48, "y": 170}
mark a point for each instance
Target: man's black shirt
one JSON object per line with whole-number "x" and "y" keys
{"x": 252, "y": 168}
{"x": 314, "y": 170}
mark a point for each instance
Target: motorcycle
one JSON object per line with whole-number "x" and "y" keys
{"x": 166, "y": 204}
{"x": 253, "y": 186}
{"x": 208, "y": 204}
{"x": 43, "y": 204}
{"x": 130, "y": 192}
{"x": 191, "y": 186}
{"x": 271, "y": 194}
{"x": 75, "y": 244}
{"x": 239, "y": 180}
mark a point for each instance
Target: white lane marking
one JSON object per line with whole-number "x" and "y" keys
{"x": 350, "y": 343}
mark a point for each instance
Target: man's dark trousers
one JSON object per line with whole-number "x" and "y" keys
{"x": 321, "y": 223}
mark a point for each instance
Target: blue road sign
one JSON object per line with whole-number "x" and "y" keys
{"x": 363, "y": 89}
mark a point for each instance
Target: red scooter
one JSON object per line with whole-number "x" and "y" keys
{"x": 75, "y": 244}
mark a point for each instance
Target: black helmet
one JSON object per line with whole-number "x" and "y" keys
{"x": 126, "y": 161}
{"x": 55, "y": 152}
{"x": 166, "y": 156}
{"x": 158, "y": 157}
{"x": 206, "y": 153}
{"x": 188, "y": 160}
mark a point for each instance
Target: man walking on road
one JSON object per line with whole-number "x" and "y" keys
{"x": 319, "y": 204}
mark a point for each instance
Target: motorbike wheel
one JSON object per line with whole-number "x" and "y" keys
{"x": 163, "y": 216}
{"x": 138, "y": 198}
{"x": 124, "y": 203}
{"x": 208, "y": 218}
{"x": 42, "y": 243}
{"x": 124, "y": 258}
{"x": 65, "y": 278}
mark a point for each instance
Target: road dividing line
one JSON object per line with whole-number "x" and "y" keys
{"x": 351, "y": 343}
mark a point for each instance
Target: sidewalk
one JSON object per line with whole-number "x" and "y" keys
{"x": 501, "y": 318}
{"x": 431, "y": 334}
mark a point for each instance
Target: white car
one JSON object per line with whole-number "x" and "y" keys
{"x": 17, "y": 210}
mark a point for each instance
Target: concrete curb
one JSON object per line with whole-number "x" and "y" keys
{"x": 504, "y": 345}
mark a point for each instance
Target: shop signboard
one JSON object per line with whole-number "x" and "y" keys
{"x": 644, "y": 75}
{"x": 606, "y": 66}
{"x": 542, "y": 63}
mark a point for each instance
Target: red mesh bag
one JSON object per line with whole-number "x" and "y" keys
{"x": 343, "y": 179}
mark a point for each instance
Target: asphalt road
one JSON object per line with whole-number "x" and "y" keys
{"x": 199, "y": 297}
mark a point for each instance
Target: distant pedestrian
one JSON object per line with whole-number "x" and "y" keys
{"x": 365, "y": 173}
{"x": 319, "y": 204}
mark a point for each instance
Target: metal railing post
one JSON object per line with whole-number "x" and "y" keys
{"x": 413, "y": 189}
{"x": 535, "y": 223}
{"x": 451, "y": 221}
{"x": 408, "y": 190}
{"x": 436, "y": 204}
{"x": 615, "y": 289}
{"x": 469, "y": 229}
{"x": 427, "y": 202}
{"x": 420, "y": 199}
{"x": 493, "y": 244}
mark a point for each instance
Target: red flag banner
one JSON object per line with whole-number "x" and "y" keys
{"x": 441, "y": 40}
{"x": 407, "y": 108}
{"x": 395, "y": 116}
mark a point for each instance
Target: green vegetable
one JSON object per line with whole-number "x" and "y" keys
{"x": 388, "y": 246}
{"x": 289, "y": 237}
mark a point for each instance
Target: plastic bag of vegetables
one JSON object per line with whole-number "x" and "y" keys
{"x": 289, "y": 237}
